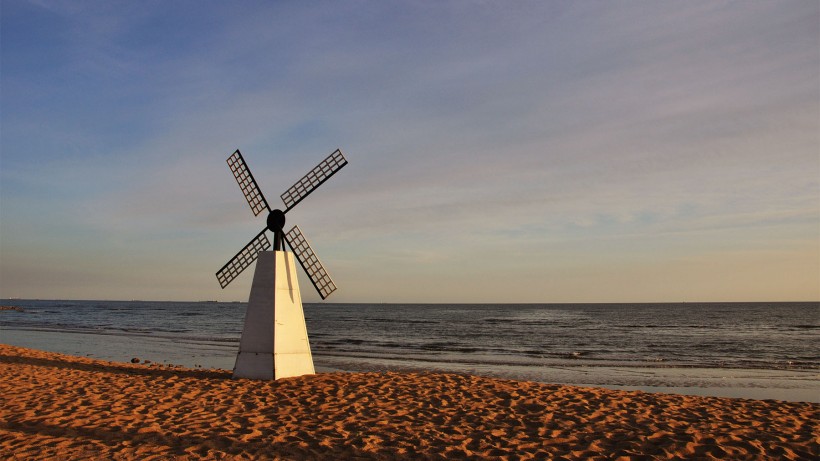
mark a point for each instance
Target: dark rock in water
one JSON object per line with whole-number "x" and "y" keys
{"x": 11, "y": 308}
{"x": 135, "y": 360}
{"x": 146, "y": 361}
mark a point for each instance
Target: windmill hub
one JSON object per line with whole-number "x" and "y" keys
{"x": 276, "y": 220}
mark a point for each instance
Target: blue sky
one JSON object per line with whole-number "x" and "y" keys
{"x": 499, "y": 151}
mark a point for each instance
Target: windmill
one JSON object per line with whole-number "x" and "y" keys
{"x": 274, "y": 342}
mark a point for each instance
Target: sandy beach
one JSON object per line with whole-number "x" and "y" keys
{"x": 54, "y": 406}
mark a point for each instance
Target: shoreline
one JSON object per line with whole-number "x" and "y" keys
{"x": 797, "y": 385}
{"x": 57, "y": 406}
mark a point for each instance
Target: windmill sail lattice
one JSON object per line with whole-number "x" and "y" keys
{"x": 310, "y": 262}
{"x": 309, "y": 182}
{"x": 246, "y": 182}
{"x": 243, "y": 259}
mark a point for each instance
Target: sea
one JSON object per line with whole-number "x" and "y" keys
{"x": 744, "y": 350}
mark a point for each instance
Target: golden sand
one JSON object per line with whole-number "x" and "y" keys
{"x": 54, "y": 406}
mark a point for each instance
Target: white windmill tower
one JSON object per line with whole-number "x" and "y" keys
{"x": 274, "y": 341}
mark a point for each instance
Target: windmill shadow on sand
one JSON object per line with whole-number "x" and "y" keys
{"x": 274, "y": 341}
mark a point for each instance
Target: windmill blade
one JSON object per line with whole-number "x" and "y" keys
{"x": 246, "y": 182}
{"x": 243, "y": 259}
{"x": 327, "y": 168}
{"x": 310, "y": 262}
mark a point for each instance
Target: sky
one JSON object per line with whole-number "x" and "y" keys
{"x": 522, "y": 152}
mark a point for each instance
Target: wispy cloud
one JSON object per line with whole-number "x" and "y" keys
{"x": 534, "y": 129}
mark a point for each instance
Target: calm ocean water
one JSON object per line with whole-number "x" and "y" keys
{"x": 692, "y": 344}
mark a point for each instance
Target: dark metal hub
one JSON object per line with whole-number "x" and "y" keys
{"x": 276, "y": 221}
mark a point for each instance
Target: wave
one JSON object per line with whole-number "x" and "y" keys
{"x": 737, "y": 336}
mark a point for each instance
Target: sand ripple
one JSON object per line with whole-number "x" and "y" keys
{"x": 54, "y": 406}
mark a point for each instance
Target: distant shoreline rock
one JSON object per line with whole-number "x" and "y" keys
{"x": 11, "y": 308}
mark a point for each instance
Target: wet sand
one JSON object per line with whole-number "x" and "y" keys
{"x": 54, "y": 406}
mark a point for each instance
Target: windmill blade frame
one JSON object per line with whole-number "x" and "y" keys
{"x": 243, "y": 259}
{"x": 246, "y": 182}
{"x": 309, "y": 182}
{"x": 310, "y": 262}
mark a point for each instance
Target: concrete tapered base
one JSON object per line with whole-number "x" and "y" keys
{"x": 274, "y": 341}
